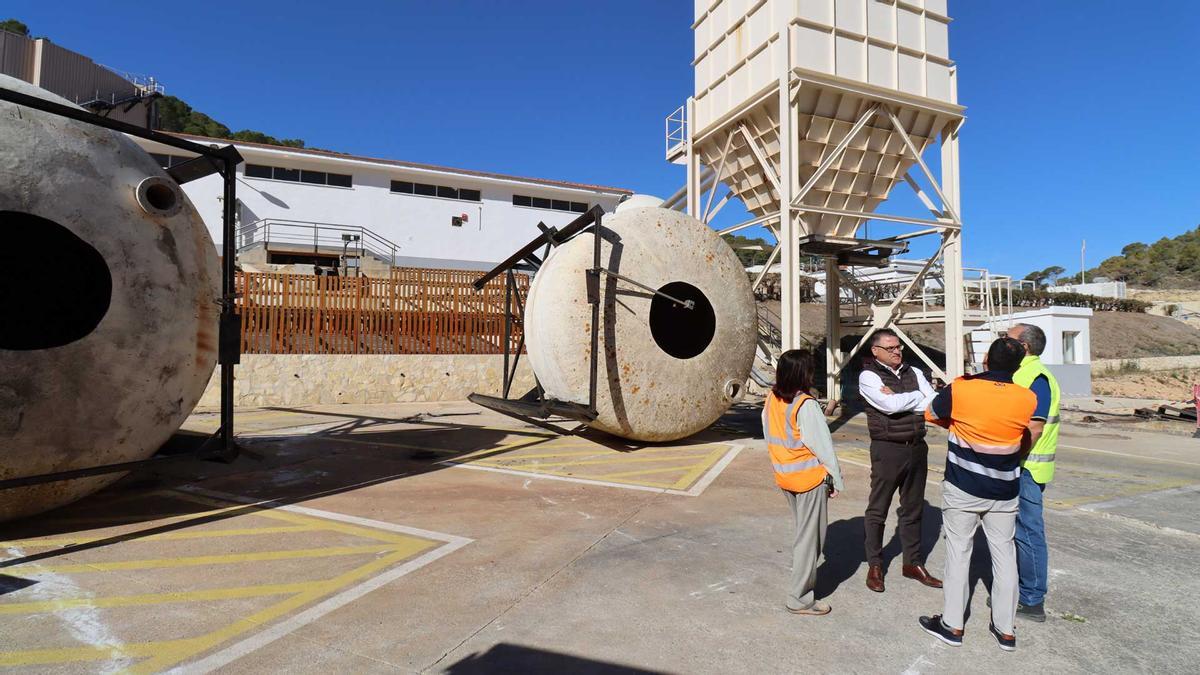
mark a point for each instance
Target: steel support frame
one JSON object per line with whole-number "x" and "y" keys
{"x": 946, "y": 223}
{"x": 220, "y": 160}
{"x": 537, "y": 409}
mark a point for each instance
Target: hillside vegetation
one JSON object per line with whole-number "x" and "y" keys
{"x": 176, "y": 115}
{"x": 1167, "y": 263}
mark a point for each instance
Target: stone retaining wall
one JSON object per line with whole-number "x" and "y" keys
{"x": 309, "y": 379}
{"x": 1148, "y": 363}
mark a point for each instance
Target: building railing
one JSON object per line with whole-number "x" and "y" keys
{"x": 676, "y": 131}
{"x": 413, "y": 311}
{"x": 269, "y": 231}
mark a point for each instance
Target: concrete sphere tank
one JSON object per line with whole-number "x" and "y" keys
{"x": 108, "y": 307}
{"x": 665, "y": 371}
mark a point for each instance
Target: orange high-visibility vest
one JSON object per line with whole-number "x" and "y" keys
{"x": 797, "y": 469}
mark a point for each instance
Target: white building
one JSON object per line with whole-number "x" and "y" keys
{"x": 1068, "y": 344}
{"x": 1100, "y": 289}
{"x": 297, "y": 203}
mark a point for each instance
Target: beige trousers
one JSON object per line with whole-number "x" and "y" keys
{"x": 962, "y": 514}
{"x": 810, "y": 514}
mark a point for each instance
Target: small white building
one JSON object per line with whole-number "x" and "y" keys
{"x": 1068, "y": 343}
{"x": 296, "y": 203}
{"x": 1100, "y": 289}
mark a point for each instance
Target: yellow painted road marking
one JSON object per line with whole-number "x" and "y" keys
{"x": 507, "y": 462}
{"x": 152, "y": 598}
{"x": 161, "y": 655}
{"x": 698, "y": 470}
{"x": 167, "y": 536}
{"x": 170, "y": 652}
{"x": 640, "y": 472}
{"x": 267, "y": 511}
{"x": 1131, "y": 491}
{"x": 425, "y": 448}
{"x": 579, "y": 453}
{"x": 226, "y": 559}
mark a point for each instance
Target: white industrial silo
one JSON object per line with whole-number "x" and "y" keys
{"x": 811, "y": 112}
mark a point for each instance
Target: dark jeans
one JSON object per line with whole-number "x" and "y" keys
{"x": 897, "y": 466}
{"x": 1032, "y": 557}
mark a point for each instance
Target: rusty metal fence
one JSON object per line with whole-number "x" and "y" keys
{"x": 414, "y": 311}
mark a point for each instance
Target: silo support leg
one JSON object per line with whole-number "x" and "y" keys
{"x": 833, "y": 331}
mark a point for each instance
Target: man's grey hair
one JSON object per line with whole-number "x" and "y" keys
{"x": 883, "y": 332}
{"x": 1033, "y": 337}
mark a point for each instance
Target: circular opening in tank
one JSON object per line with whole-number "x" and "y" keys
{"x": 160, "y": 197}
{"x": 679, "y": 331}
{"x": 47, "y": 306}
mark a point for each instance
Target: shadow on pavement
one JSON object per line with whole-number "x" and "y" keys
{"x": 509, "y": 658}
{"x": 845, "y": 556}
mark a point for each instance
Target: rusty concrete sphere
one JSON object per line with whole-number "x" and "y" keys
{"x": 665, "y": 371}
{"x": 109, "y": 310}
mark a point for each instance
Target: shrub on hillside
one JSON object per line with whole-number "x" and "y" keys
{"x": 1027, "y": 298}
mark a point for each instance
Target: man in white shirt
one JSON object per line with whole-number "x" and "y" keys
{"x": 896, "y": 395}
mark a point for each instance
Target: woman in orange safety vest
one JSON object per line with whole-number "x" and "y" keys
{"x": 806, "y": 469}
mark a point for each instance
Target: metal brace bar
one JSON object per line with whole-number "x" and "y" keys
{"x": 922, "y": 196}
{"x": 768, "y": 170}
{"x": 949, "y": 210}
{"x": 749, "y": 223}
{"x": 875, "y": 216}
{"x": 720, "y": 168}
{"x": 920, "y": 353}
{"x": 690, "y": 304}
{"x": 837, "y": 152}
{"x": 767, "y": 267}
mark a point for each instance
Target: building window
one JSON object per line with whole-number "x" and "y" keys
{"x": 1069, "y": 340}
{"x": 299, "y": 175}
{"x": 168, "y": 161}
{"x": 552, "y": 204}
{"x": 258, "y": 171}
{"x": 443, "y": 191}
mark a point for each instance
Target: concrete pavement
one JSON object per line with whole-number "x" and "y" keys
{"x": 441, "y": 538}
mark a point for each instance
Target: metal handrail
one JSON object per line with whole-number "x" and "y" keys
{"x": 280, "y": 230}
{"x": 676, "y": 128}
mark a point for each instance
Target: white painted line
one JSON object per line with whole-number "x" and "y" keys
{"x": 544, "y": 476}
{"x": 1122, "y": 501}
{"x": 1128, "y": 455}
{"x": 239, "y": 649}
{"x": 842, "y": 460}
{"x": 341, "y": 517}
{"x": 1139, "y": 523}
{"x": 699, "y": 487}
{"x": 711, "y": 475}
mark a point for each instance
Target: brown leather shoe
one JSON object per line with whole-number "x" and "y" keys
{"x": 875, "y": 578}
{"x": 922, "y": 575}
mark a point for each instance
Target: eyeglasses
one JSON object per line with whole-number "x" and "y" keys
{"x": 895, "y": 349}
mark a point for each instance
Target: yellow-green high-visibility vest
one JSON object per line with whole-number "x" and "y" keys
{"x": 1040, "y": 462}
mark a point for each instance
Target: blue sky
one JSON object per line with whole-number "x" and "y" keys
{"x": 1081, "y": 115}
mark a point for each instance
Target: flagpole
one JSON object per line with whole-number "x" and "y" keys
{"x": 1082, "y": 266}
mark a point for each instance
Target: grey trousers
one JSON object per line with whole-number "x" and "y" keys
{"x": 810, "y": 514}
{"x": 961, "y": 515}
